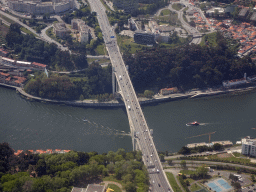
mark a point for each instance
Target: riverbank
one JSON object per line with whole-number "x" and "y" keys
{"x": 143, "y": 101}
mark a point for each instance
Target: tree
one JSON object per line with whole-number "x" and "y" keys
{"x": 41, "y": 167}
{"x": 169, "y": 162}
{"x": 81, "y": 98}
{"x": 217, "y": 147}
{"x": 161, "y": 156}
{"x": 183, "y": 164}
{"x": 236, "y": 185}
{"x": 148, "y": 93}
{"x": 184, "y": 150}
{"x": 202, "y": 171}
{"x": 252, "y": 178}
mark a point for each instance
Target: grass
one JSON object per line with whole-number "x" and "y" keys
{"x": 188, "y": 172}
{"x": 100, "y": 61}
{"x": 111, "y": 178}
{"x": 211, "y": 38}
{"x": 26, "y": 31}
{"x": 114, "y": 187}
{"x": 165, "y": 12}
{"x": 195, "y": 187}
{"x": 226, "y": 159}
{"x": 7, "y": 19}
{"x": 173, "y": 182}
{"x": 128, "y": 44}
{"x": 177, "y": 6}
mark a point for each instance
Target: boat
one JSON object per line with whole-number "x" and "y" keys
{"x": 85, "y": 119}
{"x": 195, "y": 123}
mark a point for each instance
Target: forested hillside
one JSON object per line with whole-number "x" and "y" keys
{"x": 187, "y": 67}
{"x": 60, "y": 172}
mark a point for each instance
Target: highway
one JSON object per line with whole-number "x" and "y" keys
{"x": 138, "y": 124}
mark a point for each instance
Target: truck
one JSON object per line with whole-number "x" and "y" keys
{"x": 129, "y": 107}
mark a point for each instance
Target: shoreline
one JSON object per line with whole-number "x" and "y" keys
{"x": 143, "y": 101}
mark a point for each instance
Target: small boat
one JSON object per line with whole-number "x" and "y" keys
{"x": 195, "y": 123}
{"x": 85, "y": 120}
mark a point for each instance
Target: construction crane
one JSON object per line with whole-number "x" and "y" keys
{"x": 203, "y": 135}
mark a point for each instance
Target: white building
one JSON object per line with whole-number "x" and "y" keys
{"x": 249, "y": 147}
{"x": 83, "y": 29}
{"x": 215, "y": 10}
{"x": 235, "y": 82}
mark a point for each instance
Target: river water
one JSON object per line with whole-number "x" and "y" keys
{"x": 34, "y": 125}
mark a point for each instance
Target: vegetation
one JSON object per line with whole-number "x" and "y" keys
{"x": 31, "y": 49}
{"x": 173, "y": 182}
{"x": 59, "y": 172}
{"x": 94, "y": 82}
{"x": 127, "y": 44}
{"x": 165, "y": 12}
{"x": 3, "y": 31}
{"x": 187, "y": 67}
{"x": 150, "y": 7}
{"x": 177, "y": 6}
{"x": 114, "y": 187}
{"x": 195, "y": 187}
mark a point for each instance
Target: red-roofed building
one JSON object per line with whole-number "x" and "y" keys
{"x": 3, "y": 52}
{"x": 167, "y": 91}
{"x": 39, "y": 66}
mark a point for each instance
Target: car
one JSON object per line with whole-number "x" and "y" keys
{"x": 151, "y": 155}
{"x": 159, "y": 185}
{"x": 157, "y": 170}
{"x": 153, "y": 181}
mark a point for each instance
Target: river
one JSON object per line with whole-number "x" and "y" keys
{"x": 35, "y": 125}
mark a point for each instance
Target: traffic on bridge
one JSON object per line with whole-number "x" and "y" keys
{"x": 138, "y": 125}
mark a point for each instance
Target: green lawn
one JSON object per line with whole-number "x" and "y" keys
{"x": 100, "y": 61}
{"x": 165, "y": 12}
{"x": 111, "y": 178}
{"x": 187, "y": 172}
{"x": 173, "y": 182}
{"x": 128, "y": 44}
{"x": 195, "y": 187}
{"x": 211, "y": 38}
{"x": 114, "y": 187}
{"x": 177, "y": 6}
{"x": 26, "y": 31}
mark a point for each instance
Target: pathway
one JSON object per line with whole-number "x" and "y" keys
{"x": 175, "y": 173}
{"x": 113, "y": 182}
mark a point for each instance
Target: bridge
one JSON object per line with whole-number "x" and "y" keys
{"x": 141, "y": 137}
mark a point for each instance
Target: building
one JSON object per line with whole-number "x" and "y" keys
{"x": 84, "y": 33}
{"x": 7, "y": 61}
{"x": 90, "y": 188}
{"x": 167, "y": 91}
{"x": 39, "y": 66}
{"x": 243, "y": 12}
{"x": 215, "y": 11}
{"x": 39, "y": 7}
{"x": 132, "y": 24}
{"x": 60, "y": 30}
{"x": 23, "y": 64}
{"x": 84, "y": 30}
{"x": 3, "y": 52}
{"x": 249, "y": 147}
{"x": 142, "y": 37}
{"x": 235, "y": 82}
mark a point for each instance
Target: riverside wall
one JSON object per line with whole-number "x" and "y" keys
{"x": 114, "y": 104}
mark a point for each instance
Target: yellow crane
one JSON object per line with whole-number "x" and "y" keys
{"x": 203, "y": 135}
